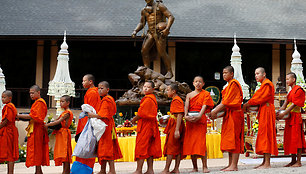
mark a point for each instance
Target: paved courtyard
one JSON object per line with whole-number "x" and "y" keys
{"x": 246, "y": 165}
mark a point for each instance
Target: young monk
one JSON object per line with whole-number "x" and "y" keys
{"x": 294, "y": 140}
{"x": 9, "y": 150}
{"x": 266, "y": 137}
{"x": 199, "y": 101}
{"x": 37, "y": 144}
{"x": 92, "y": 98}
{"x": 175, "y": 130}
{"x": 148, "y": 143}
{"x": 62, "y": 148}
{"x": 108, "y": 146}
{"x": 233, "y": 122}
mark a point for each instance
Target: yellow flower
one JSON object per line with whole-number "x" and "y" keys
{"x": 168, "y": 113}
{"x": 135, "y": 113}
{"x": 120, "y": 114}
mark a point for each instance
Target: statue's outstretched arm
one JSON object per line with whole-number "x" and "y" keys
{"x": 141, "y": 24}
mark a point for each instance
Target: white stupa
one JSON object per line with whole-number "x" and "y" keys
{"x": 2, "y": 88}
{"x": 61, "y": 83}
{"x": 236, "y": 62}
{"x": 297, "y": 67}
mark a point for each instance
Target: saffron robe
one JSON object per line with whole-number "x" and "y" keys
{"x": 92, "y": 98}
{"x": 37, "y": 144}
{"x": 195, "y": 135}
{"x": 9, "y": 150}
{"x": 232, "y": 132}
{"x": 266, "y": 136}
{"x": 174, "y": 146}
{"x": 62, "y": 148}
{"x": 108, "y": 146}
{"x": 294, "y": 135}
{"x": 148, "y": 143}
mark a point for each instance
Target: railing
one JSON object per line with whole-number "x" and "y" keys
{"x": 21, "y": 97}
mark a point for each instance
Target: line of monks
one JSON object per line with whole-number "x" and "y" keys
{"x": 181, "y": 140}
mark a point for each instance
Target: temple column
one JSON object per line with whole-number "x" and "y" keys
{"x": 39, "y": 63}
{"x": 276, "y": 63}
{"x": 172, "y": 55}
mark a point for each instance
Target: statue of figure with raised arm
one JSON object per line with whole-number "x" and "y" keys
{"x": 159, "y": 20}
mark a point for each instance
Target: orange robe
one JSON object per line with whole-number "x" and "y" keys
{"x": 37, "y": 145}
{"x": 62, "y": 148}
{"x": 174, "y": 146}
{"x": 92, "y": 98}
{"x": 9, "y": 150}
{"x": 266, "y": 136}
{"x": 232, "y": 132}
{"x": 195, "y": 135}
{"x": 148, "y": 142}
{"x": 108, "y": 146}
{"x": 294, "y": 135}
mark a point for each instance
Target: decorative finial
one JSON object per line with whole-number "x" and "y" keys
{"x": 235, "y": 42}
{"x": 235, "y": 48}
{"x": 296, "y": 55}
{"x": 1, "y": 72}
{"x": 64, "y": 46}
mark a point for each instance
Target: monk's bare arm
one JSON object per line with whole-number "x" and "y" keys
{"x": 201, "y": 113}
{"x": 23, "y": 116}
{"x": 284, "y": 105}
{"x": 178, "y": 125}
{"x": 287, "y": 111}
{"x": 92, "y": 115}
{"x": 217, "y": 109}
{"x": 186, "y": 108}
{"x": 141, "y": 24}
{"x": 136, "y": 118}
{"x": 3, "y": 123}
{"x": 245, "y": 106}
{"x": 58, "y": 121}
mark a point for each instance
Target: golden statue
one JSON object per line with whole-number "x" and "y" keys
{"x": 159, "y": 20}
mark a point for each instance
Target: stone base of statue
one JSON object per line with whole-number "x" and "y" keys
{"x": 143, "y": 74}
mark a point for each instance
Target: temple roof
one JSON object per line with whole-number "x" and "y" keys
{"x": 194, "y": 19}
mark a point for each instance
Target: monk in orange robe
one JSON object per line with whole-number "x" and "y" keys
{"x": 175, "y": 130}
{"x": 294, "y": 139}
{"x": 233, "y": 122}
{"x": 108, "y": 146}
{"x": 199, "y": 101}
{"x": 266, "y": 137}
{"x": 37, "y": 144}
{"x": 92, "y": 98}
{"x": 148, "y": 143}
{"x": 62, "y": 148}
{"x": 9, "y": 150}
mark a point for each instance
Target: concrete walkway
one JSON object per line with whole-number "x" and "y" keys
{"x": 214, "y": 166}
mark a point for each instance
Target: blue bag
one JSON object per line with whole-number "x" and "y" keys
{"x": 83, "y": 114}
{"x": 87, "y": 142}
{"x": 80, "y": 168}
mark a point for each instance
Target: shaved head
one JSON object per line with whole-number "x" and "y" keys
{"x": 261, "y": 69}
{"x": 8, "y": 93}
{"x": 35, "y": 88}
{"x": 198, "y": 77}
{"x": 151, "y": 83}
{"x": 105, "y": 84}
{"x": 90, "y": 77}
{"x": 67, "y": 98}
{"x": 292, "y": 74}
{"x": 230, "y": 69}
{"x": 174, "y": 86}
